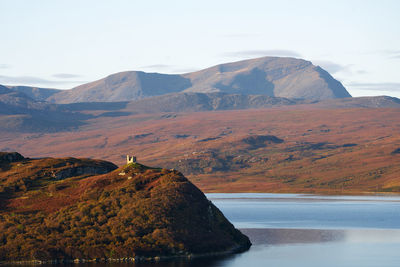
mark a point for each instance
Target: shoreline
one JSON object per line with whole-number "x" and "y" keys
{"x": 356, "y": 193}
{"x": 189, "y": 256}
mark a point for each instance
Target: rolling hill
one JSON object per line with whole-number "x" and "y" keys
{"x": 19, "y": 112}
{"x": 36, "y": 93}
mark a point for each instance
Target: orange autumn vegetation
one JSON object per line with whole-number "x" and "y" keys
{"x": 332, "y": 151}
{"x": 131, "y": 211}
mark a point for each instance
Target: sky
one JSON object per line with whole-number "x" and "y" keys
{"x": 62, "y": 44}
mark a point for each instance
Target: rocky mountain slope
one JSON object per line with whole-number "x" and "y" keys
{"x": 270, "y": 76}
{"x": 133, "y": 212}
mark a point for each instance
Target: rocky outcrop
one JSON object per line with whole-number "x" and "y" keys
{"x": 8, "y": 157}
{"x": 20, "y": 174}
{"x": 258, "y": 141}
{"x": 82, "y": 170}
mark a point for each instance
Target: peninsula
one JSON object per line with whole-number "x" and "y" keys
{"x": 68, "y": 209}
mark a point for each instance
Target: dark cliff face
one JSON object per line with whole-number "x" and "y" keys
{"x": 132, "y": 211}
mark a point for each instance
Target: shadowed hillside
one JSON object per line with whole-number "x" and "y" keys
{"x": 195, "y": 102}
{"x": 19, "y": 112}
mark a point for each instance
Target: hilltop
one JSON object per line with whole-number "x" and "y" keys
{"x": 66, "y": 209}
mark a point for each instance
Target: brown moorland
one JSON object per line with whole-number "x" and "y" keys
{"x": 334, "y": 151}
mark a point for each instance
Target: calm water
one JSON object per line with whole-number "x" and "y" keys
{"x": 307, "y": 230}
{"x": 310, "y": 230}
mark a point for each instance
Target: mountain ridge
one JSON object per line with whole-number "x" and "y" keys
{"x": 271, "y": 76}
{"x": 20, "y": 112}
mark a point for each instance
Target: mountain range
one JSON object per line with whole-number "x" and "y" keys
{"x": 270, "y": 76}
{"x": 256, "y": 83}
{"x": 216, "y": 126}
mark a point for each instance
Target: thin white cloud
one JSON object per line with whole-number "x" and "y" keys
{"x": 263, "y": 53}
{"x": 361, "y": 72}
{"x": 66, "y": 75}
{"x": 240, "y": 35}
{"x": 395, "y": 87}
{"x": 30, "y": 80}
{"x": 392, "y": 53}
{"x": 184, "y": 70}
{"x": 5, "y": 66}
{"x": 157, "y": 66}
{"x": 169, "y": 68}
{"x": 332, "y": 67}
{"x": 388, "y": 53}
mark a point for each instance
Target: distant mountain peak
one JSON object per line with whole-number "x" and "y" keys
{"x": 272, "y": 76}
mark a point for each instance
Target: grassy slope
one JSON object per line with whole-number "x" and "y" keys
{"x": 314, "y": 157}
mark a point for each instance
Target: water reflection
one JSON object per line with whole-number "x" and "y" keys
{"x": 292, "y": 236}
{"x": 297, "y": 247}
{"x": 308, "y": 211}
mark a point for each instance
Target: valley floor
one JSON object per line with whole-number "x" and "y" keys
{"x": 325, "y": 151}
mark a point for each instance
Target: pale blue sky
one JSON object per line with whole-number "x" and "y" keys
{"x": 62, "y": 44}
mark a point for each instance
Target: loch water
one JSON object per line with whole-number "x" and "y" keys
{"x": 305, "y": 230}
